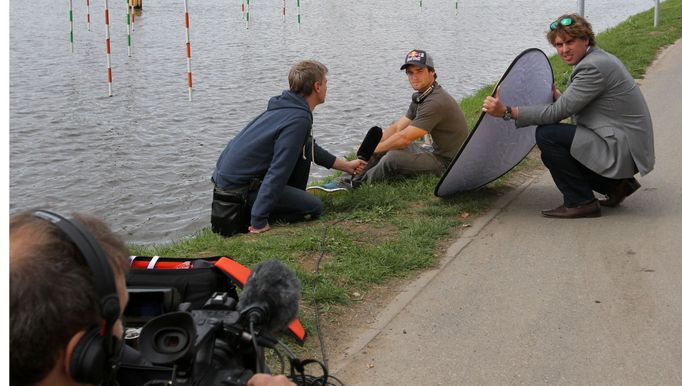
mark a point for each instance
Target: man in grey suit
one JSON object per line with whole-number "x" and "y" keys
{"x": 611, "y": 138}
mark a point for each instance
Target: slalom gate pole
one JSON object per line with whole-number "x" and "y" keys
{"x": 298, "y": 13}
{"x": 106, "y": 23}
{"x": 189, "y": 54}
{"x": 128, "y": 23}
{"x": 132, "y": 13}
{"x": 71, "y": 23}
{"x": 248, "y": 11}
{"x": 284, "y": 9}
{"x": 87, "y": 7}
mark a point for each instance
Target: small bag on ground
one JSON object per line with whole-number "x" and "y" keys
{"x": 230, "y": 212}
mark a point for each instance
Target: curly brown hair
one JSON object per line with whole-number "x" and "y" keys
{"x": 580, "y": 28}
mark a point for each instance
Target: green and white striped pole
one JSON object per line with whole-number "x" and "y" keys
{"x": 456, "y": 7}
{"x": 130, "y": 48}
{"x": 71, "y": 23}
{"x": 284, "y": 9}
{"x": 298, "y": 14}
{"x": 248, "y": 9}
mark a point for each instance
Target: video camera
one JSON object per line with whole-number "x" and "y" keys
{"x": 191, "y": 328}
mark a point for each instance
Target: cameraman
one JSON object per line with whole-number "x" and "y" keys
{"x": 54, "y": 302}
{"x": 52, "y": 296}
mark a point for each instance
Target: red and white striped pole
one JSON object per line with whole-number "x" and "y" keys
{"x": 71, "y": 23}
{"x": 87, "y": 6}
{"x": 189, "y": 53}
{"x": 106, "y": 23}
{"x": 132, "y": 14}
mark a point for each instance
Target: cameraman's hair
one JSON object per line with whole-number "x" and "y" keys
{"x": 304, "y": 74}
{"x": 579, "y": 29}
{"x": 52, "y": 291}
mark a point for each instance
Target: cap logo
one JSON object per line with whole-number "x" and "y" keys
{"x": 414, "y": 56}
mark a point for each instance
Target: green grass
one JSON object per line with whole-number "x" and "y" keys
{"x": 394, "y": 230}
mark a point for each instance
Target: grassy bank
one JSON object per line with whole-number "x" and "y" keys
{"x": 379, "y": 233}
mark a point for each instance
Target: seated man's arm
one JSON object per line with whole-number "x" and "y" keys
{"x": 400, "y": 139}
{"x": 395, "y": 127}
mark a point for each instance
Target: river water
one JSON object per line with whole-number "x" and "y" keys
{"x": 142, "y": 158}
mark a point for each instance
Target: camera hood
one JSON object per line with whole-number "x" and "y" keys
{"x": 168, "y": 338}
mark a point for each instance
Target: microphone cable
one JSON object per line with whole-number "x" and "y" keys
{"x": 260, "y": 357}
{"x": 316, "y": 307}
{"x": 325, "y": 363}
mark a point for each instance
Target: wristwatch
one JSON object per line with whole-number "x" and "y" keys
{"x": 507, "y": 114}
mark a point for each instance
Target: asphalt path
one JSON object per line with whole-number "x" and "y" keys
{"x": 522, "y": 299}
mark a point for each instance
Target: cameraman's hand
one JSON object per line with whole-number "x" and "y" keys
{"x": 269, "y": 380}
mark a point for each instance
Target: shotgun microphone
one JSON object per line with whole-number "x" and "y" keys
{"x": 270, "y": 296}
{"x": 370, "y": 143}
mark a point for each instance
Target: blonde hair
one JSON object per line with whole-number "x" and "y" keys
{"x": 304, "y": 74}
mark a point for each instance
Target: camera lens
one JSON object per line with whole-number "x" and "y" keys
{"x": 170, "y": 341}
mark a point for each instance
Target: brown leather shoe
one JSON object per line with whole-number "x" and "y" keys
{"x": 622, "y": 189}
{"x": 590, "y": 210}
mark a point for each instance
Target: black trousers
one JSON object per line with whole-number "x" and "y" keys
{"x": 575, "y": 181}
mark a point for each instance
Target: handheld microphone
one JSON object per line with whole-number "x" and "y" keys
{"x": 370, "y": 143}
{"x": 270, "y": 296}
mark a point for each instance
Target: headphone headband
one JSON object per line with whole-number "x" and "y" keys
{"x": 95, "y": 358}
{"x": 419, "y": 97}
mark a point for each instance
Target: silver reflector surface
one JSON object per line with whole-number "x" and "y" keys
{"x": 495, "y": 146}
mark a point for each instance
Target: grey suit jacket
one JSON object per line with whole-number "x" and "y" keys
{"x": 614, "y": 135}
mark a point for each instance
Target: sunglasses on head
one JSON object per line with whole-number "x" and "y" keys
{"x": 566, "y": 21}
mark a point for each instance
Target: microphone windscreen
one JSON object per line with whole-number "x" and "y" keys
{"x": 369, "y": 144}
{"x": 275, "y": 285}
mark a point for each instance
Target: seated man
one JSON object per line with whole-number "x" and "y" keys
{"x": 432, "y": 112}
{"x": 270, "y": 158}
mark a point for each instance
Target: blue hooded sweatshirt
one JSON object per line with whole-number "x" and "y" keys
{"x": 268, "y": 148}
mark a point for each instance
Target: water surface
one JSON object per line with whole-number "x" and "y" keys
{"x": 142, "y": 159}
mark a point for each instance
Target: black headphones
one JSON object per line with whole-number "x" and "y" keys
{"x": 96, "y": 355}
{"x": 419, "y": 97}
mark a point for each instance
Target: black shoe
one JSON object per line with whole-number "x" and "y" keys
{"x": 622, "y": 189}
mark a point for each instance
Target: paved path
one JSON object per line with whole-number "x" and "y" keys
{"x": 522, "y": 299}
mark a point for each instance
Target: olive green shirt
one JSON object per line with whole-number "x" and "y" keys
{"x": 440, "y": 115}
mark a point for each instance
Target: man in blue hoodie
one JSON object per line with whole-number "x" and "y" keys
{"x": 276, "y": 150}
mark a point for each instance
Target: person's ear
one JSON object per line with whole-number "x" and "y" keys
{"x": 70, "y": 347}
